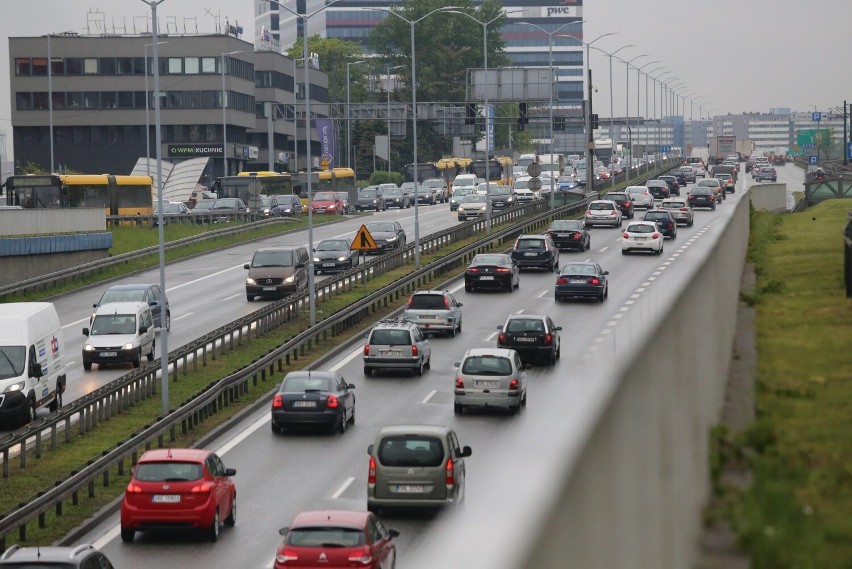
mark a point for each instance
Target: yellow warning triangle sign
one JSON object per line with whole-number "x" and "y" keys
{"x": 364, "y": 241}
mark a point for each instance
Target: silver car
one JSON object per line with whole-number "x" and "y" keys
{"x": 641, "y": 196}
{"x": 434, "y": 311}
{"x": 603, "y": 212}
{"x": 416, "y": 466}
{"x": 680, "y": 210}
{"x": 490, "y": 377}
{"x": 396, "y": 345}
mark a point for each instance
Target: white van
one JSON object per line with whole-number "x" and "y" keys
{"x": 32, "y": 361}
{"x": 524, "y": 160}
{"x": 121, "y": 332}
{"x": 464, "y": 181}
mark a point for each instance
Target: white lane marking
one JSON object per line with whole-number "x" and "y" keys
{"x": 543, "y": 294}
{"x": 428, "y": 397}
{"x": 624, "y": 308}
{"x": 604, "y": 249}
{"x": 77, "y": 323}
{"x": 343, "y": 488}
{"x": 351, "y": 356}
{"x": 641, "y": 289}
{"x": 652, "y": 278}
{"x": 521, "y": 311}
{"x": 232, "y": 296}
{"x": 205, "y": 277}
{"x": 491, "y": 337}
{"x": 656, "y": 273}
{"x": 457, "y": 288}
{"x": 612, "y": 323}
{"x": 634, "y": 296}
{"x": 617, "y": 316}
{"x": 646, "y": 283}
{"x": 182, "y": 316}
{"x": 629, "y": 302}
{"x": 589, "y": 260}
{"x": 606, "y": 331}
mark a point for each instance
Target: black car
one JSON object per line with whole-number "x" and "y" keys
{"x": 533, "y": 336}
{"x": 177, "y": 211}
{"x": 535, "y": 251}
{"x": 370, "y": 199}
{"x": 396, "y": 198}
{"x": 321, "y": 398}
{"x": 674, "y": 186}
{"x": 569, "y": 234}
{"x": 502, "y": 197}
{"x": 679, "y": 176}
{"x": 702, "y": 196}
{"x": 387, "y": 235}
{"x": 285, "y": 205}
{"x": 665, "y": 221}
{"x": 625, "y": 204}
{"x": 582, "y": 280}
{"x": 334, "y": 255}
{"x": 492, "y": 270}
{"x": 658, "y": 188}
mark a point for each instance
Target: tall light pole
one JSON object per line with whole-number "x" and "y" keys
{"x": 147, "y": 100}
{"x": 627, "y": 97}
{"x": 658, "y": 79}
{"x": 389, "y": 69}
{"x": 647, "y": 100}
{"x": 312, "y": 301}
{"x": 225, "y": 115}
{"x": 295, "y": 120}
{"x": 638, "y": 90}
{"x": 349, "y": 115}
{"x": 158, "y": 141}
{"x": 552, "y": 86}
{"x": 590, "y": 159}
{"x": 50, "y": 99}
{"x": 411, "y": 24}
{"x": 611, "y": 105}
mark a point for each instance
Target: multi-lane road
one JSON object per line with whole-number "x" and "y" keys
{"x": 279, "y": 476}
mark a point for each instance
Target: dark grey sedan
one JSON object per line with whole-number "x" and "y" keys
{"x": 334, "y": 255}
{"x": 320, "y": 398}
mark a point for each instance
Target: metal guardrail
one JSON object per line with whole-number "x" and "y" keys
{"x": 126, "y": 391}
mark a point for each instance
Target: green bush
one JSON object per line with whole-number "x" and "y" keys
{"x": 380, "y": 177}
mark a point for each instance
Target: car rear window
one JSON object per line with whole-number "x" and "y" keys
{"x": 530, "y": 244}
{"x": 305, "y": 383}
{"x": 616, "y": 197}
{"x": 391, "y": 338}
{"x": 640, "y": 229}
{"x": 411, "y": 451}
{"x": 427, "y": 302}
{"x": 525, "y": 325}
{"x": 487, "y": 365}
{"x": 598, "y": 206}
{"x": 656, "y": 216}
{"x": 168, "y": 471}
{"x": 325, "y": 537}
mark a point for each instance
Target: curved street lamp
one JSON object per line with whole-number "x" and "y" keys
{"x": 611, "y": 107}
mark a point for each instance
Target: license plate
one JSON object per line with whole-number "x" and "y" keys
{"x": 486, "y": 278}
{"x": 328, "y": 264}
{"x": 525, "y": 339}
{"x": 427, "y": 317}
{"x": 578, "y": 281}
{"x": 394, "y": 353}
{"x": 269, "y": 288}
{"x": 487, "y": 383}
{"x": 563, "y": 235}
{"x": 304, "y": 403}
{"x": 165, "y": 498}
{"x": 641, "y": 238}
{"x": 410, "y": 488}
{"x": 108, "y": 354}
{"x": 530, "y": 254}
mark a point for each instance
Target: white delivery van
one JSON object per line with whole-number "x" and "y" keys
{"x": 121, "y": 332}
{"x": 524, "y": 160}
{"x": 32, "y": 361}
{"x": 464, "y": 181}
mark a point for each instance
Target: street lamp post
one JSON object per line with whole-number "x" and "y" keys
{"x": 225, "y": 115}
{"x": 158, "y": 141}
{"x": 411, "y": 24}
{"x": 590, "y": 160}
{"x": 639, "y": 91}
{"x": 349, "y": 115}
{"x": 627, "y": 98}
{"x": 295, "y": 115}
{"x": 147, "y": 100}
{"x": 611, "y": 105}
{"x": 312, "y": 301}
{"x": 50, "y": 99}
{"x": 389, "y": 69}
{"x": 552, "y": 86}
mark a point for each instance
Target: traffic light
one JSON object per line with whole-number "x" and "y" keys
{"x": 469, "y": 113}
{"x": 595, "y": 123}
{"x": 558, "y": 123}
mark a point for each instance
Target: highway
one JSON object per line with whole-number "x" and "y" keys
{"x": 279, "y": 476}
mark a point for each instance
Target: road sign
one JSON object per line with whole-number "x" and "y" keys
{"x": 364, "y": 241}
{"x": 535, "y": 184}
{"x": 664, "y": 149}
{"x": 816, "y": 116}
{"x": 813, "y": 160}
{"x": 808, "y": 146}
{"x": 534, "y": 169}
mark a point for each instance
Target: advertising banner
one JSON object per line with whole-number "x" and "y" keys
{"x": 325, "y": 133}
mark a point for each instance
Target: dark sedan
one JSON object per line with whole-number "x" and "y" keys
{"x": 658, "y": 188}
{"x": 502, "y": 197}
{"x": 665, "y": 221}
{"x": 370, "y": 199}
{"x": 674, "y": 187}
{"x": 177, "y": 211}
{"x": 536, "y": 251}
{"x": 492, "y": 270}
{"x": 679, "y": 175}
{"x": 766, "y": 175}
{"x": 582, "y": 280}
{"x": 702, "y": 196}
{"x": 387, "y": 235}
{"x": 533, "y": 336}
{"x": 395, "y": 197}
{"x": 569, "y": 234}
{"x": 313, "y": 398}
{"x": 334, "y": 255}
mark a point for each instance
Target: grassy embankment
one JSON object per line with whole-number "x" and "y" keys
{"x": 797, "y": 514}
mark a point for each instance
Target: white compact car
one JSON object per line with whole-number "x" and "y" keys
{"x": 641, "y": 196}
{"x": 120, "y": 332}
{"x": 642, "y": 236}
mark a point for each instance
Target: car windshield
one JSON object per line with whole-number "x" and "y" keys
{"x": 325, "y": 537}
{"x": 640, "y": 228}
{"x": 490, "y": 260}
{"x": 123, "y": 295}
{"x": 525, "y": 325}
{"x": 501, "y": 191}
{"x": 302, "y": 383}
{"x": 12, "y": 361}
{"x": 367, "y": 194}
{"x": 227, "y": 203}
{"x": 600, "y": 206}
{"x": 395, "y": 192}
{"x": 461, "y": 192}
{"x": 579, "y": 269}
{"x": 474, "y": 199}
{"x": 168, "y": 471}
{"x": 105, "y": 324}
{"x": 324, "y": 197}
{"x": 427, "y": 302}
{"x": 333, "y": 245}
{"x": 487, "y": 365}
{"x": 408, "y": 451}
{"x": 381, "y": 226}
{"x": 529, "y": 244}
{"x": 391, "y": 338}
{"x": 266, "y": 202}
{"x": 562, "y": 224}
{"x": 272, "y": 259}
{"x": 169, "y": 208}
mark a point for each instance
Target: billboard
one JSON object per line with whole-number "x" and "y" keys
{"x": 325, "y": 134}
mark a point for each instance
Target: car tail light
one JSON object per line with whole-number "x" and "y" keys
{"x": 371, "y": 472}
{"x": 612, "y": 212}
{"x": 576, "y": 236}
{"x": 626, "y": 235}
{"x": 278, "y": 402}
{"x": 286, "y": 556}
{"x": 549, "y": 234}
{"x": 203, "y": 488}
{"x": 514, "y": 385}
{"x": 459, "y": 383}
{"x": 589, "y": 212}
{"x": 501, "y": 337}
{"x": 473, "y": 270}
{"x": 690, "y": 198}
{"x": 561, "y": 280}
{"x": 410, "y": 300}
{"x": 655, "y": 236}
{"x": 413, "y": 351}
{"x": 134, "y": 488}
{"x": 502, "y": 270}
{"x": 684, "y": 209}
{"x": 594, "y": 281}
{"x": 363, "y": 557}
{"x": 627, "y": 204}
{"x": 548, "y": 339}
{"x": 451, "y": 472}
{"x": 446, "y": 303}
{"x": 366, "y": 349}
{"x": 332, "y": 402}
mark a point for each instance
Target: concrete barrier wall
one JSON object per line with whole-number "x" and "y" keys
{"x": 769, "y": 197}
{"x": 45, "y": 221}
{"x": 17, "y": 269}
{"x": 611, "y": 469}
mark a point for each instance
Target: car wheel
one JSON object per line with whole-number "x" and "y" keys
{"x": 231, "y": 520}
{"x": 31, "y": 410}
{"x": 150, "y": 355}
{"x": 509, "y": 288}
{"x": 556, "y": 297}
{"x": 460, "y": 326}
{"x": 468, "y": 288}
{"x": 623, "y": 251}
{"x": 341, "y": 425}
{"x": 127, "y": 534}
{"x": 367, "y": 371}
{"x": 559, "y": 352}
{"x": 275, "y": 428}
{"x": 514, "y": 409}
{"x": 428, "y": 364}
{"x": 138, "y": 360}
{"x": 458, "y": 409}
{"x": 453, "y": 331}
{"x": 213, "y": 530}
{"x": 57, "y": 399}
{"x": 588, "y": 244}
{"x": 87, "y": 366}
{"x": 250, "y": 298}
{"x": 419, "y": 369}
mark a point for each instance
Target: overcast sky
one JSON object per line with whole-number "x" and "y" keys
{"x": 735, "y": 55}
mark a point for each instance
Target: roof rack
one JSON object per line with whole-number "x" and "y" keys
{"x": 80, "y": 549}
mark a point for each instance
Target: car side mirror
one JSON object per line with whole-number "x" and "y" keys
{"x": 315, "y": 249}
{"x": 350, "y": 385}
{"x": 300, "y": 265}
{"x": 143, "y": 329}
{"x": 500, "y": 327}
{"x": 94, "y": 305}
{"x": 283, "y": 531}
{"x": 558, "y": 328}
{"x": 393, "y": 533}
{"x": 246, "y": 266}
{"x": 466, "y": 451}
{"x": 85, "y": 331}
{"x": 606, "y": 272}
{"x": 528, "y": 366}
{"x": 230, "y": 471}
{"x": 456, "y": 364}
{"x": 35, "y": 370}
{"x": 459, "y": 304}
{"x": 370, "y": 449}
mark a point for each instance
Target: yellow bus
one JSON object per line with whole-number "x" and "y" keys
{"x": 249, "y": 186}
{"x": 118, "y": 195}
{"x": 333, "y": 180}
{"x": 506, "y": 164}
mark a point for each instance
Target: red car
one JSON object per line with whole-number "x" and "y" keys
{"x": 337, "y": 538}
{"x": 179, "y": 489}
{"x": 327, "y": 202}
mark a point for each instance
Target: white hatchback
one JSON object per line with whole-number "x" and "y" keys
{"x": 642, "y": 236}
{"x": 641, "y": 196}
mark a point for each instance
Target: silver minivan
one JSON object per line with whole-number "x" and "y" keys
{"x": 490, "y": 377}
{"x": 434, "y": 311}
{"x": 416, "y": 466}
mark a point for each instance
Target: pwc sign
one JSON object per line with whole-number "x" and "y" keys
{"x": 560, "y": 11}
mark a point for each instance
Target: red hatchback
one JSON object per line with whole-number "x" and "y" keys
{"x": 179, "y": 489}
{"x": 337, "y": 538}
{"x": 327, "y": 202}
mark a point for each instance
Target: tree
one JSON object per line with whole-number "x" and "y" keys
{"x": 333, "y": 54}
{"x": 449, "y": 45}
